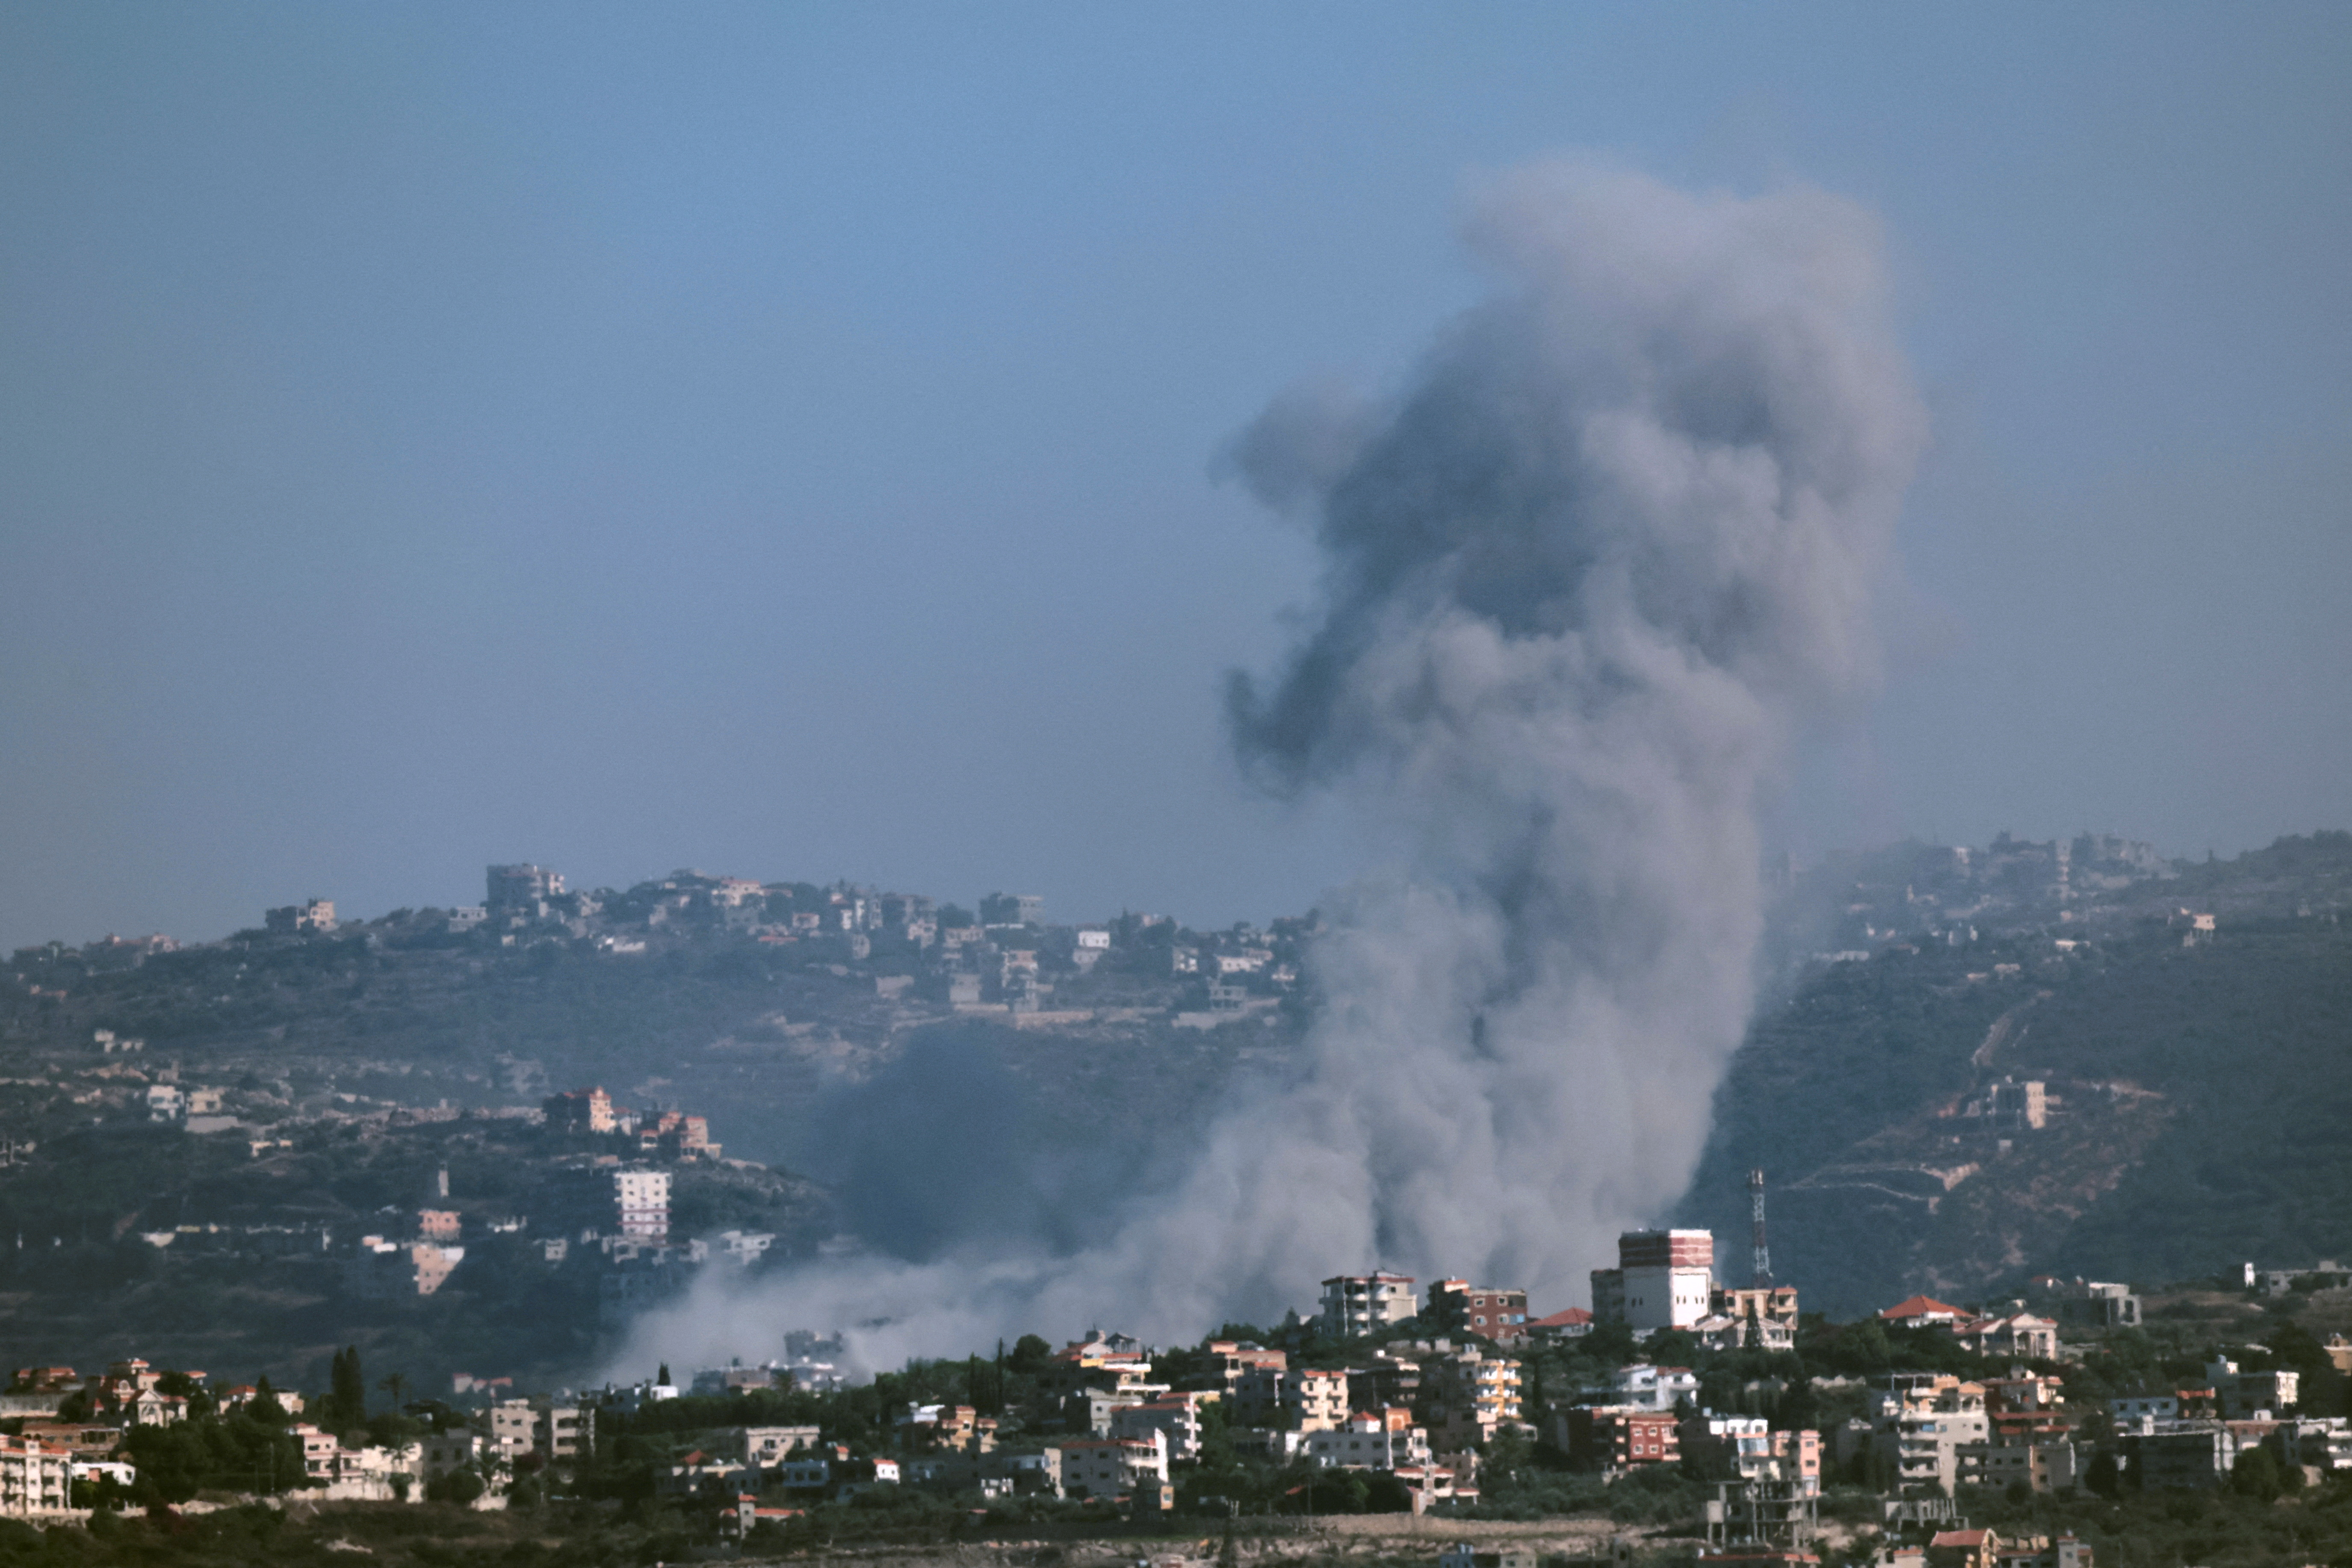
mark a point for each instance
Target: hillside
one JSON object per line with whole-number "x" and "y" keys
{"x": 868, "y": 1075}
{"x": 325, "y": 1076}
{"x": 2198, "y": 1084}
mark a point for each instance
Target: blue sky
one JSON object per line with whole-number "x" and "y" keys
{"x": 782, "y": 439}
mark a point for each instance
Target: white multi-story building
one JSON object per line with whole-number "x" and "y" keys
{"x": 1358, "y": 1303}
{"x": 1177, "y": 1417}
{"x": 2248, "y": 1393}
{"x": 1111, "y": 1467}
{"x": 1663, "y": 1280}
{"x": 1641, "y": 1386}
{"x": 1384, "y": 1442}
{"x": 35, "y": 1477}
{"x": 642, "y": 1199}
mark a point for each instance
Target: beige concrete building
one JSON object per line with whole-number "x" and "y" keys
{"x": 1357, "y": 1304}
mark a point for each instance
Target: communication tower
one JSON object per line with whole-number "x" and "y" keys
{"x": 1763, "y": 1280}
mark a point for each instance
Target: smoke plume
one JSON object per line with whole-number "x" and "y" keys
{"x": 1608, "y": 550}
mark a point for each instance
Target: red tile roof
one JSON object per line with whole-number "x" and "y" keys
{"x": 1567, "y": 1320}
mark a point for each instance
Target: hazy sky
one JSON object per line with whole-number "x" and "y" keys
{"x": 784, "y": 439}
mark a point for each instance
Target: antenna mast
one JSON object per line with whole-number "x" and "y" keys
{"x": 1763, "y": 1280}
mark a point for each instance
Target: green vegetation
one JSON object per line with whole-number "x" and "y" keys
{"x": 2201, "y": 1093}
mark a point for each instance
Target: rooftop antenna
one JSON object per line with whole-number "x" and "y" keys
{"x": 1763, "y": 1280}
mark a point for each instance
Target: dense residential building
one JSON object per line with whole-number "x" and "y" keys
{"x": 2048, "y": 1466}
{"x": 1099, "y": 1361}
{"x": 2018, "y": 1334}
{"x": 521, "y": 888}
{"x": 2180, "y": 1456}
{"x": 676, "y": 1136}
{"x": 1931, "y": 1430}
{"x": 301, "y": 919}
{"x": 1466, "y": 1395}
{"x": 1176, "y": 1417}
{"x": 2323, "y": 1442}
{"x": 1111, "y": 1468}
{"x": 1747, "y": 1448}
{"x": 1233, "y": 1358}
{"x": 1458, "y": 1307}
{"x": 764, "y": 1447}
{"x": 582, "y": 1110}
{"x": 35, "y": 1477}
{"x": 641, "y": 1198}
{"x": 1761, "y": 1317}
{"x": 2244, "y": 1395}
{"x": 2087, "y": 1303}
{"x": 1389, "y": 1376}
{"x": 1663, "y": 1280}
{"x": 1357, "y": 1304}
{"x": 1376, "y": 1440}
{"x": 1314, "y": 1399}
{"x": 1641, "y": 1386}
{"x": 559, "y": 1429}
{"x": 1612, "y": 1437}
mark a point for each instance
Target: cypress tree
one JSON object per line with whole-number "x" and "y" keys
{"x": 347, "y": 1391}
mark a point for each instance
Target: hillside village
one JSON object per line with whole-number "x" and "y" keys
{"x": 473, "y": 1143}
{"x": 1710, "y": 1412}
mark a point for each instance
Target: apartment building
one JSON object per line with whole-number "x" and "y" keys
{"x": 1488, "y": 1311}
{"x": 641, "y": 1202}
{"x": 1603, "y": 1436}
{"x": 1386, "y": 1440}
{"x": 1176, "y": 1417}
{"x": 1111, "y": 1467}
{"x": 1663, "y": 1280}
{"x": 35, "y": 1477}
{"x": 1466, "y": 1396}
{"x": 1355, "y": 1304}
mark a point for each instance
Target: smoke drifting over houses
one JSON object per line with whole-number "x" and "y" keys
{"x": 1586, "y": 575}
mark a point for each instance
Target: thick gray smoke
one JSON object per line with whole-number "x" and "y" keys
{"x": 1614, "y": 546}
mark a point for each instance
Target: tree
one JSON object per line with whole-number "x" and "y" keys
{"x": 1799, "y": 1408}
{"x": 1030, "y": 1355}
{"x": 346, "y": 1401}
{"x": 2256, "y": 1475}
